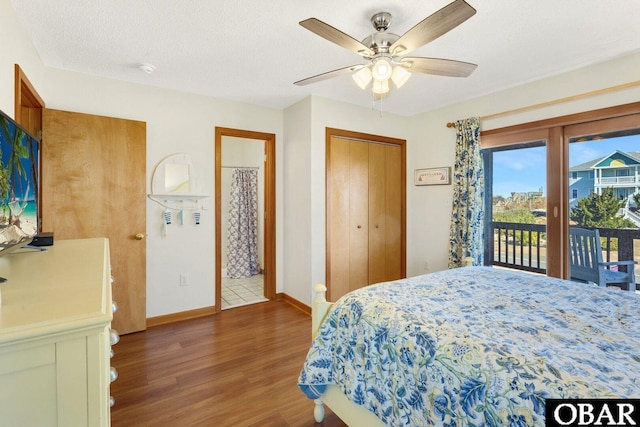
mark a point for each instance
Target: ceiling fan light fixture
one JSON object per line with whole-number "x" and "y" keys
{"x": 362, "y": 77}
{"x": 381, "y": 69}
{"x": 400, "y": 76}
{"x": 380, "y": 87}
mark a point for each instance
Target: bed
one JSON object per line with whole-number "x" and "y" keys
{"x": 470, "y": 346}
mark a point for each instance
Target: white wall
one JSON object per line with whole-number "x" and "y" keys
{"x": 429, "y": 207}
{"x": 297, "y": 200}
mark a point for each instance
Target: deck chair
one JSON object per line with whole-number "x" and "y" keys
{"x": 587, "y": 264}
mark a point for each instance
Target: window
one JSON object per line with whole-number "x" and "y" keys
{"x": 565, "y": 140}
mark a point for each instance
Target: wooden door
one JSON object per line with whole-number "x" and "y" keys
{"x": 358, "y": 214}
{"x": 93, "y": 185}
{"x": 365, "y": 213}
{"x": 393, "y": 213}
{"x": 338, "y": 219}
{"x": 385, "y": 212}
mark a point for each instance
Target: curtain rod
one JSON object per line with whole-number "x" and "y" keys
{"x": 556, "y": 101}
{"x": 240, "y": 167}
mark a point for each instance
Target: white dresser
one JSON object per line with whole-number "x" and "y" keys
{"x": 55, "y": 316}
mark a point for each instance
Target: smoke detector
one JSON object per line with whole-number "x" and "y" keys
{"x": 147, "y": 68}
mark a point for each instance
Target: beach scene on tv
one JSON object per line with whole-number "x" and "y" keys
{"x": 18, "y": 185}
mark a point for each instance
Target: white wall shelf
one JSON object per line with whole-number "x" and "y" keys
{"x": 176, "y": 197}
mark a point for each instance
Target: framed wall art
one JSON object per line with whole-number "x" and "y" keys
{"x": 433, "y": 176}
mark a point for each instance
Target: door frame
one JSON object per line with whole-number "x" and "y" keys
{"x": 269, "y": 209}
{"x": 28, "y": 105}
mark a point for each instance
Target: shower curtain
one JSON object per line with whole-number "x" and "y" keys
{"x": 242, "y": 248}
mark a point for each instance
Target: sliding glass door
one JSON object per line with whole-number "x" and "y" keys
{"x": 604, "y": 185}
{"x": 576, "y": 157}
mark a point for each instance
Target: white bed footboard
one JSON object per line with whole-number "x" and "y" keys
{"x": 319, "y": 308}
{"x": 353, "y": 415}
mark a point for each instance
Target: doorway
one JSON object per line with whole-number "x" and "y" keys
{"x": 244, "y": 159}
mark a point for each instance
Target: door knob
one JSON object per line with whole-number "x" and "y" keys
{"x": 139, "y": 236}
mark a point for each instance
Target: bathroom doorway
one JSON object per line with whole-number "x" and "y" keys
{"x": 245, "y": 217}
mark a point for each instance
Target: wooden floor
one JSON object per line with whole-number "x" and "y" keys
{"x": 236, "y": 368}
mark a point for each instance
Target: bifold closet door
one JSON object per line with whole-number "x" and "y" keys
{"x": 347, "y": 210}
{"x": 358, "y": 214}
{"x": 385, "y": 210}
{"x": 364, "y": 214}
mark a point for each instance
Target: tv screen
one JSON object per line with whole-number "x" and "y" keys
{"x": 19, "y": 173}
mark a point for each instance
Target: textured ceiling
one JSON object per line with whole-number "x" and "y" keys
{"x": 252, "y": 51}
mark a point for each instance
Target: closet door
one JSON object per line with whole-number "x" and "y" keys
{"x": 349, "y": 214}
{"x": 394, "y": 196}
{"x": 365, "y": 208}
{"x": 385, "y": 213}
{"x": 358, "y": 214}
{"x": 338, "y": 216}
{"x": 377, "y": 213}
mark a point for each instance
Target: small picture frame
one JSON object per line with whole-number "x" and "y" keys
{"x": 433, "y": 176}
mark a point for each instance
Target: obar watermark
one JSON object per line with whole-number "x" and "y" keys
{"x": 592, "y": 412}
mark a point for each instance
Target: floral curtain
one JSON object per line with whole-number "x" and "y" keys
{"x": 242, "y": 247}
{"x": 467, "y": 219}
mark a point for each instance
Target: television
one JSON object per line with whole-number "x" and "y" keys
{"x": 19, "y": 185}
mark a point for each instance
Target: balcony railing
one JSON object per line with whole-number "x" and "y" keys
{"x": 523, "y": 246}
{"x": 518, "y": 246}
{"x": 617, "y": 180}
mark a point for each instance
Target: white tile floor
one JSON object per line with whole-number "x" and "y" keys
{"x": 237, "y": 292}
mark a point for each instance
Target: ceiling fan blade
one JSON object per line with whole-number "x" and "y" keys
{"x": 439, "y": 67}
{"x": 328, "y": 75}
{"x": 336, "y": 36}
{"x": 433, "y": 26}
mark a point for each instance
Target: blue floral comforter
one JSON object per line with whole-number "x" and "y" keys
{"x": 476, "y": 346}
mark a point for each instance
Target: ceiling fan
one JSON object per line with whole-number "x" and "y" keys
{"x": 385, "y": 50}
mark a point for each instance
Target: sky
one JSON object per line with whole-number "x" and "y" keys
{"x": 513, "y": 171}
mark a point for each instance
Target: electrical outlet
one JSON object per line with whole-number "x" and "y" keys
{"x": 184, "y": 279}
{"x": 426, "y": 266}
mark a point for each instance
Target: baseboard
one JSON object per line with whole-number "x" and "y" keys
{"x": 183, "y": 315}
{"x": 297, "y": 304}
{"x": 208, "y": 311}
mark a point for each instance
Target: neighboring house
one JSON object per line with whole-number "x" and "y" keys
{"x": 618, "y": 170}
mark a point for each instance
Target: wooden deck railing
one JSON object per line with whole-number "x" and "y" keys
{"x": 518, "y": 246}
{"x": 523, "y": 246}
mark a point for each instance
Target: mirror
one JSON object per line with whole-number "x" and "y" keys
{"x": 176, "y": 178}
{"x": 173, "y": 175}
